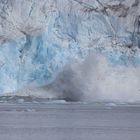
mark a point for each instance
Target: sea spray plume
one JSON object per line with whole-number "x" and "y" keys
{"x": 78, "y": 80}
{"x": 95, "y": 79}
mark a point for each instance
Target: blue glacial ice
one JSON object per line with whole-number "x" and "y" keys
{"x": 69, "y": 34}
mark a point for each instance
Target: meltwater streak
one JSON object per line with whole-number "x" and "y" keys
{"x": 96, "y": 80}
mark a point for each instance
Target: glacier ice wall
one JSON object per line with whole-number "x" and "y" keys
{"x": 40, "y": 38}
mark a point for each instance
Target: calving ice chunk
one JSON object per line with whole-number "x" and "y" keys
{"x": 39, "y": 39}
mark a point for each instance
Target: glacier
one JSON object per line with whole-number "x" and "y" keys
{"x": 83, "y": 50}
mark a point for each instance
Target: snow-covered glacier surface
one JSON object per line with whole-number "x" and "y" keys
{"x": 74, "y": 49}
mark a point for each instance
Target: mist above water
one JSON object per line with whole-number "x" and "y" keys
{"x": 97, "y": 80}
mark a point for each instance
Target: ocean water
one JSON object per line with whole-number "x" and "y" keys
{"x": 69, "y": 121}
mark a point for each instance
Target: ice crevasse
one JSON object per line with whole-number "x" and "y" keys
{"x": 86, "y": 50}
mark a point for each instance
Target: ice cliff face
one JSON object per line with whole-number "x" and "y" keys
{"x": 38, "y": 37}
